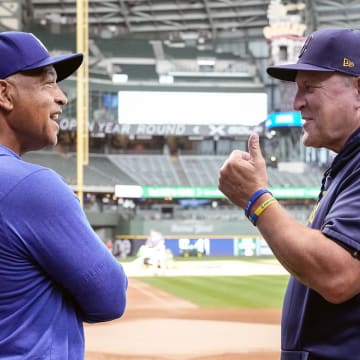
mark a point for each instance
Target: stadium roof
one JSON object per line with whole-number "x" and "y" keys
{"x": 202, "y": 43}
{"x": 188, "y": 20}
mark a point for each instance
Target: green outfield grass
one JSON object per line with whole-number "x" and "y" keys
{"x": 256, "y": 291}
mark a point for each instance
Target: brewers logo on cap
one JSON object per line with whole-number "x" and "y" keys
{"x": 305, "y": 46}
{"x": 347, "y": 63}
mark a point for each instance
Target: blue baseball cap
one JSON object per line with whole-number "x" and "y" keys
{"x": 324, "y": 50}
{"x": 21, "y": 51}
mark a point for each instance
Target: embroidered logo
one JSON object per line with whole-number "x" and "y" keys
{"x": 312, "y": 214}
{"x": 348, "y": 63}
{"x": 305, "y": 46}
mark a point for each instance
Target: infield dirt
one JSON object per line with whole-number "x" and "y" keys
{"x": 159, "y": 326}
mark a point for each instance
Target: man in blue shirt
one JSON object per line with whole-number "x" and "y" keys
{"x": 321, "y": 312}
{"x": 55, "y": 273}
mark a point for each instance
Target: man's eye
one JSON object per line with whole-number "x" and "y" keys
{"x": 311, "y": 88}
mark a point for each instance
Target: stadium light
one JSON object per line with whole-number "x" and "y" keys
{"x": 120, "y": 78}
{"x": 166, "y": 79}
{"x": 206, "y": 61}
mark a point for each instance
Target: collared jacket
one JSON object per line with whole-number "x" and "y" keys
{"x": 313, "y": 328}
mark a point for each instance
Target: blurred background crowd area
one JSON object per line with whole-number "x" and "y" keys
{"x": 172, "y": 89}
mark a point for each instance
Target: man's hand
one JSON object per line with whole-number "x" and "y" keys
{"x": 243, "y": 173}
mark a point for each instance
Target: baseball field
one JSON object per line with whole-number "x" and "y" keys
{"x": 196, "y": 310}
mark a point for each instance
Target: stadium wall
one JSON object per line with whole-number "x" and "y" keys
{"x": 198, "y": 246}
{"x": 192, "y": 238}
{"x": 175, "y": 227}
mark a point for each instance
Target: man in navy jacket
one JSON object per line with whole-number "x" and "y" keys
{"x": 321, "y": 312}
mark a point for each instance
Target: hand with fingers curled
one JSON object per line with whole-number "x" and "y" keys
{"x": 243, "y": 173}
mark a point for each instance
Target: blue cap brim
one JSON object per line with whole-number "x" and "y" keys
{"x": 288, "y": 72}
{"x": 65, "y": 65}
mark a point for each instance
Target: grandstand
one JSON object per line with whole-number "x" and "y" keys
{"x": 147, "y": 169}
{"x": 211, "y": 47}
{"x": 211, "y": 218}
{"x": 105, "y": 171}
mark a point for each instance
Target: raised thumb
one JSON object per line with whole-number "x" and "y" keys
{"x": 254, "y": 147}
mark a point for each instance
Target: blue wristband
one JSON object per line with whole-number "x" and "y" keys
{"x": 253, "y": 198}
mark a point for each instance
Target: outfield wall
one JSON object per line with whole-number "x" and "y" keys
{"x": 186, "y": 227}
{"x": 193, "y": 237}
{"x": 198, "y": 246}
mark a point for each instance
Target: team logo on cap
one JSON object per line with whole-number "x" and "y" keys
{"x": 305, "y": 46}
{"x": 348, "y": 63}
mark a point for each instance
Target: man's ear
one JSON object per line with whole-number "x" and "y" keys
{"x": 357, "y": 81}
{"x": 5, "y": 96}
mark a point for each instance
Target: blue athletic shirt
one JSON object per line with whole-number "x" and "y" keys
{"x": 313, "y": 328}
{"x": 55, "y": 273}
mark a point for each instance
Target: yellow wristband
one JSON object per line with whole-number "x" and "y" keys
{"x": 260, "y": 209}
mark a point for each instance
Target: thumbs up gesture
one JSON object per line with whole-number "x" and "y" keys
{"x": 243, "y": 173}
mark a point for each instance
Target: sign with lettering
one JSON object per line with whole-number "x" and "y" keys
{"x": 207, "y": 192}
{"x": 108, "y": 128}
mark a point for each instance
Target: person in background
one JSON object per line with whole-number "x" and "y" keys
{"x": 55, "y": 273}
{"x": 321, "y": 310}
{"x": 156, "y": 250}
{"x": 155, "y": 239}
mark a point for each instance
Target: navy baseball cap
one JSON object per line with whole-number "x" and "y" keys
{"x": 21, "y": 51}
{"x": 324, "y": 50}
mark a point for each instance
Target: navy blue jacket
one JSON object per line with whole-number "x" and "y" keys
{"x": 313, "y": 328}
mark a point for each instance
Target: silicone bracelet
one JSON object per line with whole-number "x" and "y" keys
{"x": 261, "y": 209}
{"x": 253, "y": 198}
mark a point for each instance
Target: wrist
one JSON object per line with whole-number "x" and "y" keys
{"x": 259, "y": 210}
{"x": 254, "y": 200}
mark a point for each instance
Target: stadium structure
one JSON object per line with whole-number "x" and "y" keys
{"x": 173, "y": 88}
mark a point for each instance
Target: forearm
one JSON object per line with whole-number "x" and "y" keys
{"x": 281, "y": 232}
{"x": 310, "y": 256}
{"x": 313, "y": 258}
{"x": 104, "y": 297}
